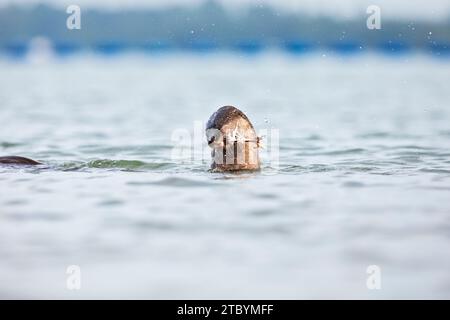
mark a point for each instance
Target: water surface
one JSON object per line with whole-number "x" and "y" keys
{"x": 363, "y": 178}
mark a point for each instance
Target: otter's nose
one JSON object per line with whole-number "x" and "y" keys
{"x": 214, "y": 137}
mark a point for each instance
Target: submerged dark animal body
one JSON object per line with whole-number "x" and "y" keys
{"x": 13, "y": 160}
{"x": 233, "y": 140}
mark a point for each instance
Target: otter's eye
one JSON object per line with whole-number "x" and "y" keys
{"x": 213, "y": 138}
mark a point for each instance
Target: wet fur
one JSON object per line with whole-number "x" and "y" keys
{"x": 14, "y": 160}
{"x": 236, "y": 133}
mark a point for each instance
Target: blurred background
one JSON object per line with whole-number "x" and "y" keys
{"x": 297, "y": 27}
{"x": 362, "y": 178}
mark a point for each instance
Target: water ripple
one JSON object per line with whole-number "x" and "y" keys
{"x": 124, "y": 165}
{"x": 6, "y": 145}
{"x": 174, "y": 182}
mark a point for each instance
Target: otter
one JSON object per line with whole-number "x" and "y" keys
{"x": 229, "y": 133}
{"x": 233, "y": 140}
{"x": 14, "y": 160}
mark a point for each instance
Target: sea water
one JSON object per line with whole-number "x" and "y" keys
{"x": 362, "y": 178}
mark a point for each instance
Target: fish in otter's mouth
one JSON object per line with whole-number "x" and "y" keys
{"x": 233, "y": 140}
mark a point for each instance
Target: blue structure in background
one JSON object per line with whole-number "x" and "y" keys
{"x": 394, "y": 48}
{"x": 298, "y": 47}
{"x": 111, "y": 48}
{"x": 201, "y": 46}
{"x": 249, "y": 47}
{"x": 156, "y": 47}
{"x": 440, "y": 49}
{"x": 16, "y": 50}
{"x": 66, "y": 49}
{"x": 19, "y": 50}
{"x": 346, "y": 48}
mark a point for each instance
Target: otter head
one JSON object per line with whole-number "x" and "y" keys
{"x": 233, "y": 140}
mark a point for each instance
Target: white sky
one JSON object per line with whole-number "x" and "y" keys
{"x": 413, "y": 9}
